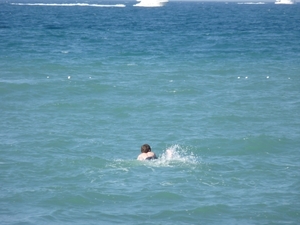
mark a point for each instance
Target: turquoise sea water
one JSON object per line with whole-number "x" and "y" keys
{"x": 83, "y": 87}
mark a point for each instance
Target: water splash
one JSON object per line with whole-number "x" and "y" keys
{"x": 177, "y": 154}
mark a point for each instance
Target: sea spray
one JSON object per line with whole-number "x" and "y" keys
{"x": 177, "y": 155}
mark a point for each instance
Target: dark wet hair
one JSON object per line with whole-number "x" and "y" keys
{"x": 145, "y": 148}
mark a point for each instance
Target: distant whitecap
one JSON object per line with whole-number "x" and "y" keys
{"x": 69, "y": 4}
{"x": 151, "y": 3}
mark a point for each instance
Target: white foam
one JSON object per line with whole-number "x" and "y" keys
{"x": 174, "y": 155}
{"x": 69, "y": 4}
{"x": 151, "y": 3}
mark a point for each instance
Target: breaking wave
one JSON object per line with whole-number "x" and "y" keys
{"x": 69, "y": 4}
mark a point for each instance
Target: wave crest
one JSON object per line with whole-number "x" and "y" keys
{"x": 68, "y": 4}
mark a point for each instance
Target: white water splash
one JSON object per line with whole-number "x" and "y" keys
{"x": 177, "y": 154}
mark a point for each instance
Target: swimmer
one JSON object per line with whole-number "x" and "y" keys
{"x": 146, "y": 153}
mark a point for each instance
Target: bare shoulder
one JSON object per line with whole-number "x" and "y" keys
{"x": 151, "y": 155}
{"x": 142, "y": 156}
{"x": 147, "y": 156}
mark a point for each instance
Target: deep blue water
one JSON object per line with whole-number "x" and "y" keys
{"x": 83, "y": 87}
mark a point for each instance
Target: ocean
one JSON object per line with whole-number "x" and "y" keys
{"x": 83, "y": 84}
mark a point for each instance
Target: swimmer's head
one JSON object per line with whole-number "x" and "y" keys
{"x": 145, "y": 148}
